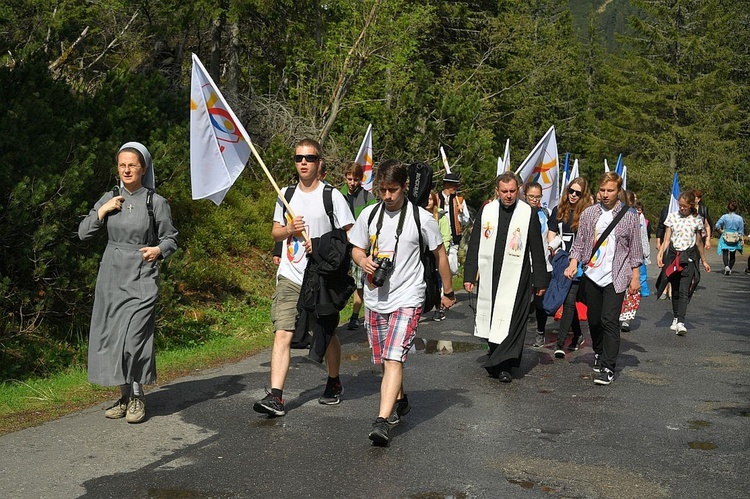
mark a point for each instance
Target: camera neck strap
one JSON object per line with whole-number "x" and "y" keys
{"x": 399, "y": 227}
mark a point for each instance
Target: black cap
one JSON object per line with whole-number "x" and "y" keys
{"x": 451, "y": 177}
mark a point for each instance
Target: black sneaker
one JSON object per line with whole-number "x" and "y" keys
{"x": 332, "y": 394}
{"x": 353, "y": 324}
{"x": 625, "y": 327}
{"x": 505, "y": 377}
{"x": 597, "y": 365}
{"x": 605, "y": 377}
{"x": 402, "y": 408}
{"x": 438, "y": 316}
{"x": 270, "y": 404}
{"x": 559, "y": 353}
{"x": 747, "y": 271}
{"x": 379, "y": 433}
{"x": 576, "y": 343}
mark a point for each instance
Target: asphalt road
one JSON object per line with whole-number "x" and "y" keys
{"x": 673, "y": 424}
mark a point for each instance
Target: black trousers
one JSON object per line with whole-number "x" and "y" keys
{"x": 728, "y": 257}
{"x": 541, "y": 315}
{"x": 604, "y": 306}
{"x": 569, "y": 317}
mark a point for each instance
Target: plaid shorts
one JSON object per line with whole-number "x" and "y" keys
{"x": 391, "y": 335}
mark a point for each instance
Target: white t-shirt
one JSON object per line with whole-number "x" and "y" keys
{"x": 600, "y": 266}
{"x": 406, "y": 286}
{"x": 310, "y": 206}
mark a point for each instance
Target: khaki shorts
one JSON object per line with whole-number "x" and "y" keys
{"x": 284, "y": 305}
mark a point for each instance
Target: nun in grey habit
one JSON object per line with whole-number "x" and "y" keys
{"x": 121, "y": 338}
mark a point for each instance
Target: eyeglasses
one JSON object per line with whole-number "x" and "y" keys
{"x": 310, "y": 158}
{"x": 533, "y": 198}
{"x": 126, "y": 167}
{"x": 574, "y": 192}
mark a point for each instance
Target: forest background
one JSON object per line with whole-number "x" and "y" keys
{"x": 662, "y": 82}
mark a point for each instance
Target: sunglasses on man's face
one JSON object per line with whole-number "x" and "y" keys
{"x": 310, "y": 158}
{"x": 574, "y": 192}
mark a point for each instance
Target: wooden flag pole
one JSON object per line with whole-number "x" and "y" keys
{"x": 273, "y": 182}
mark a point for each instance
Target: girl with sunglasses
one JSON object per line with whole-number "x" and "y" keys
{"x": 562, "y": 233}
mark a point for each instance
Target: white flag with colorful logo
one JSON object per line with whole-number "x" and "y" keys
{"x": 219, "y": 145}
{"x": 364, "y": 159}
{"x": 542, "y": 165}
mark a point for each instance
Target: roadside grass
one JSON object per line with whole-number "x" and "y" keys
{"x": 238, "y": 331}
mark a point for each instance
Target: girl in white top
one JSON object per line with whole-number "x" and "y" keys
{"x": 683, "y": 244}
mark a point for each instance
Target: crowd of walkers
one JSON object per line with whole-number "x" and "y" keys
{"x": 585, "y": 260}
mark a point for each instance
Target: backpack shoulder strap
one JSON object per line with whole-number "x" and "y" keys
{"x": 153, "y": 228}
{"x": 328, "y": 204}
{"x": 373, "y": 213}
{"x": 288, "y": 193}
{"x": 419, "y": 227}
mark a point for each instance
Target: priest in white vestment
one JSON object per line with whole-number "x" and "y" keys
{"x": 505, "y": 243}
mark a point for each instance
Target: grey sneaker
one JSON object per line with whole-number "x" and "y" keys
{"x": 539, "y": 340}
{"x": 118, "y": 410}
{"x": 136, "y": 410}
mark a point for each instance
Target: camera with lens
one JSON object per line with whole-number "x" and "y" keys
{"x": 383, "y": 272}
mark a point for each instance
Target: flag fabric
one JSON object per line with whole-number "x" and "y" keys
{"x": 606, "y": 166}
{"x": 673, "y": 205}
{"x": 566, "y": 173}
{"x": 624, "y": 177}
{"x": 619, "y": 165}
{"x": 364, "y": 159}
{"x": 503, "y": 163}
{"x": 574, "y": 171}
{"x": 219, "y": 145}
{"x": 541, "y": 165}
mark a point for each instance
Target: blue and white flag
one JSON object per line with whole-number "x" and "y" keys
{"x": 619, "y": 166}
{"x": 673, "y": 205}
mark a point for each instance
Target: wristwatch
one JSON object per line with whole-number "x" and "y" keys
{"x": 451, "y": 295}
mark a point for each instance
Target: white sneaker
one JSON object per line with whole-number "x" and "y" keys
{"x": 727, "y": 271}
{"x": 673, "y": 327}
{"x": 681, "y": 329}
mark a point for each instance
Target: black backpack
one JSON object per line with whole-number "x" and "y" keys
{"x": 432, "y": 291}
{"x": 420, "y": 183}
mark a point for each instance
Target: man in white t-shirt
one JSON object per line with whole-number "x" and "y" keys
{"x": 386, "y": 236}
{"x": 310, "y": 221}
